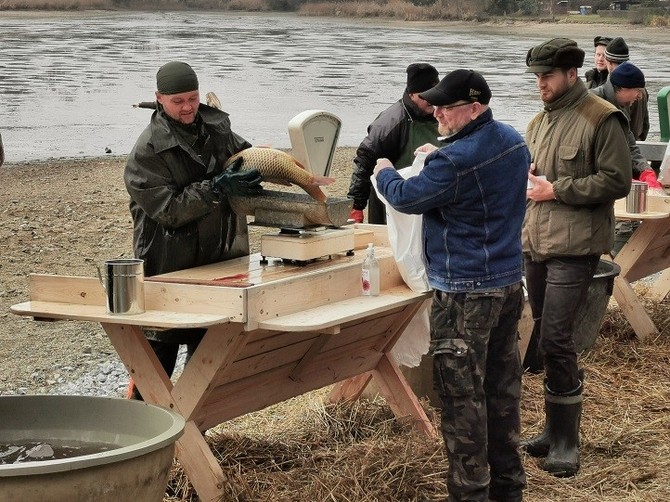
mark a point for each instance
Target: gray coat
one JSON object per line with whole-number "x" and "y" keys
{"x": 179, "y": 222}
{"x": 606, "y": 91}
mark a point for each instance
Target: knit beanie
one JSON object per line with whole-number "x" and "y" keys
{"x": 176, "y": 77}
{"x": 628, "y": 76}
{"x": 421, "y": 77}
{"x": 617, "y": 51}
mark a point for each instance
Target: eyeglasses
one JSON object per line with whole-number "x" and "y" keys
{"x": 447, "y": 107}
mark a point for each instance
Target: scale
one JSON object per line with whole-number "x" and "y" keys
{"x": 308, "y": 229}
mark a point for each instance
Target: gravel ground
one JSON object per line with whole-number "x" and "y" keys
{"x": 66, "y": 217}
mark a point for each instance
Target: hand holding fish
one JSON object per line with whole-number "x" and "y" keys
{"x": 276, "y": 166}
{"x": 233, "y": 181}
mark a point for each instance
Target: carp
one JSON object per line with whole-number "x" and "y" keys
{"x": 279, "y": 167}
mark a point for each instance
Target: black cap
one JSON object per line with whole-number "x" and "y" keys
{"x": 459, "y": 85}
{"x": 555, "y": 53}
{"x": 617, "y": 51}
{"x": 421, "y": 77}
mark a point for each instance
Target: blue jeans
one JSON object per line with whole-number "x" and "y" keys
{"x": 556, "y": 287}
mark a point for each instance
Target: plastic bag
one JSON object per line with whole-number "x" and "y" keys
{"x": 405, "y": 232}
{"x": 415, "y": 340}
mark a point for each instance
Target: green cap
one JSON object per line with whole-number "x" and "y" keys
{"x": 556, "y": 53}
{"x": 176, "y": 77}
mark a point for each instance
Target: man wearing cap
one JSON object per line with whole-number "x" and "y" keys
{"x": 471, "y": 193}
{"x": 598, "y": 75}
{"x": 179, "y": 193}
{"x": 394, "y": 134}
{"x": 637, "y": 112}
{"x": 578, "y": 145}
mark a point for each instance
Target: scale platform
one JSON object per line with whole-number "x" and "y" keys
{"x": 304, "y": 245}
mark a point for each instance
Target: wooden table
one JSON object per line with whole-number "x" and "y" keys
{"x": 274, "y": 331}
{"x": 647, "y": 252}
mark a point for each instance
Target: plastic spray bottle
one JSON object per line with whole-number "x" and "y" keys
{"x": 370, "y": 273}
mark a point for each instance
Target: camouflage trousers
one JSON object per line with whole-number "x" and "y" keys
{"x": 477, "y": 374}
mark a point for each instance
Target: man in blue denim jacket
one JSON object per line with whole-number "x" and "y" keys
{"x": 472, "y": 195}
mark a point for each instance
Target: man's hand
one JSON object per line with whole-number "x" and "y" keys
{"x": 356, "y": 215}
{"x": 426, "y": 148}
{"x": 382, "y": 164}
{"x": 542, "y": 189}
{"x": 649, "y": 177}
{"x": 233, "y": 182}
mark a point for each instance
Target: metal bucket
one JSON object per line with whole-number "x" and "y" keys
{"x": 636, "y": 201}
{"x": 123, "y": 282}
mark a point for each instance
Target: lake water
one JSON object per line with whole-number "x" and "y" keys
{"x": 68, "y": 81}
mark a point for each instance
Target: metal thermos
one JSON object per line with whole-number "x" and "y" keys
{"x": 123, "y": 282}
{"x": 636, "y": 201}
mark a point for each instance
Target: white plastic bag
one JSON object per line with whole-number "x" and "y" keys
{"x": 415, "y": 340}
{"x": 406, "y": 239}
{"x": 405, "y": 235}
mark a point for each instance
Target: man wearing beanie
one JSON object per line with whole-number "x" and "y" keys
{"x": 179, "y": 193}
{"x": 616, "y": 53}
{"x": 395, "y": 134}
{"x": 625, "y": 86}
{"x": 578, "y": 145}
{"x": 472, "y": 195}
{"x": 598, "y": 75}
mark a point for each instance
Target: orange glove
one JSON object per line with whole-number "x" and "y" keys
{"x": 356, "y": 215}
{"x": 649, "y": 177}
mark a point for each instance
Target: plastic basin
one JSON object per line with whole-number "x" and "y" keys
{"x": 135, "y": 468}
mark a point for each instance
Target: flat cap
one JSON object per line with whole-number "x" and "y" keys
{"x": 601, "y": 41}
{"x": 555, "y": 53}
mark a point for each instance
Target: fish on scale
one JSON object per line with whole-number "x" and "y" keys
{"x": 276, "y": 166}
{"x": 279, "y": 167}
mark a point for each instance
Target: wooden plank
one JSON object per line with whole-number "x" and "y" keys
{"x": 214, "y": 356}
{"x": 373, "y": 333}
{"x": 311, "y": 353}
{"x": 141, "y": 363}
{"x": 400, "y": 397}
{"x": 96, "y": 313}
{"x": 354, "y": 388}
{"x": 271, "y": 387}
{"x": 661, "y": 286}
{"x": 633, "y": 309}
{"x": 193, "y": 453}
{"x": 336, "y": 313}
{"x": 200, "y": 464}
{"x": 72, "y": 290}
{"x": 351, "y": 388}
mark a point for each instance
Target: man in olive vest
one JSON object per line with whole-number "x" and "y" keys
{"x": 581, "y": 164}
{"x": 395, "y": 134}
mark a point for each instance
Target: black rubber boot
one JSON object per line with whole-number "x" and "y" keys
{"x": 532, "y": 362}
{"x": 564, "y": 412}
{"x": 538, "y": 446}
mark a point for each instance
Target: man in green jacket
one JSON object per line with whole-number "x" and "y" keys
{"x": 179, "y": 193}
{"x": 580, "y": 165}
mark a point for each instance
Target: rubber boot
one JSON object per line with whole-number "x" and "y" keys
{"x": 532, "y": 362}
{"x": 538, "y": 445}
{"x": 564, "y": 412}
